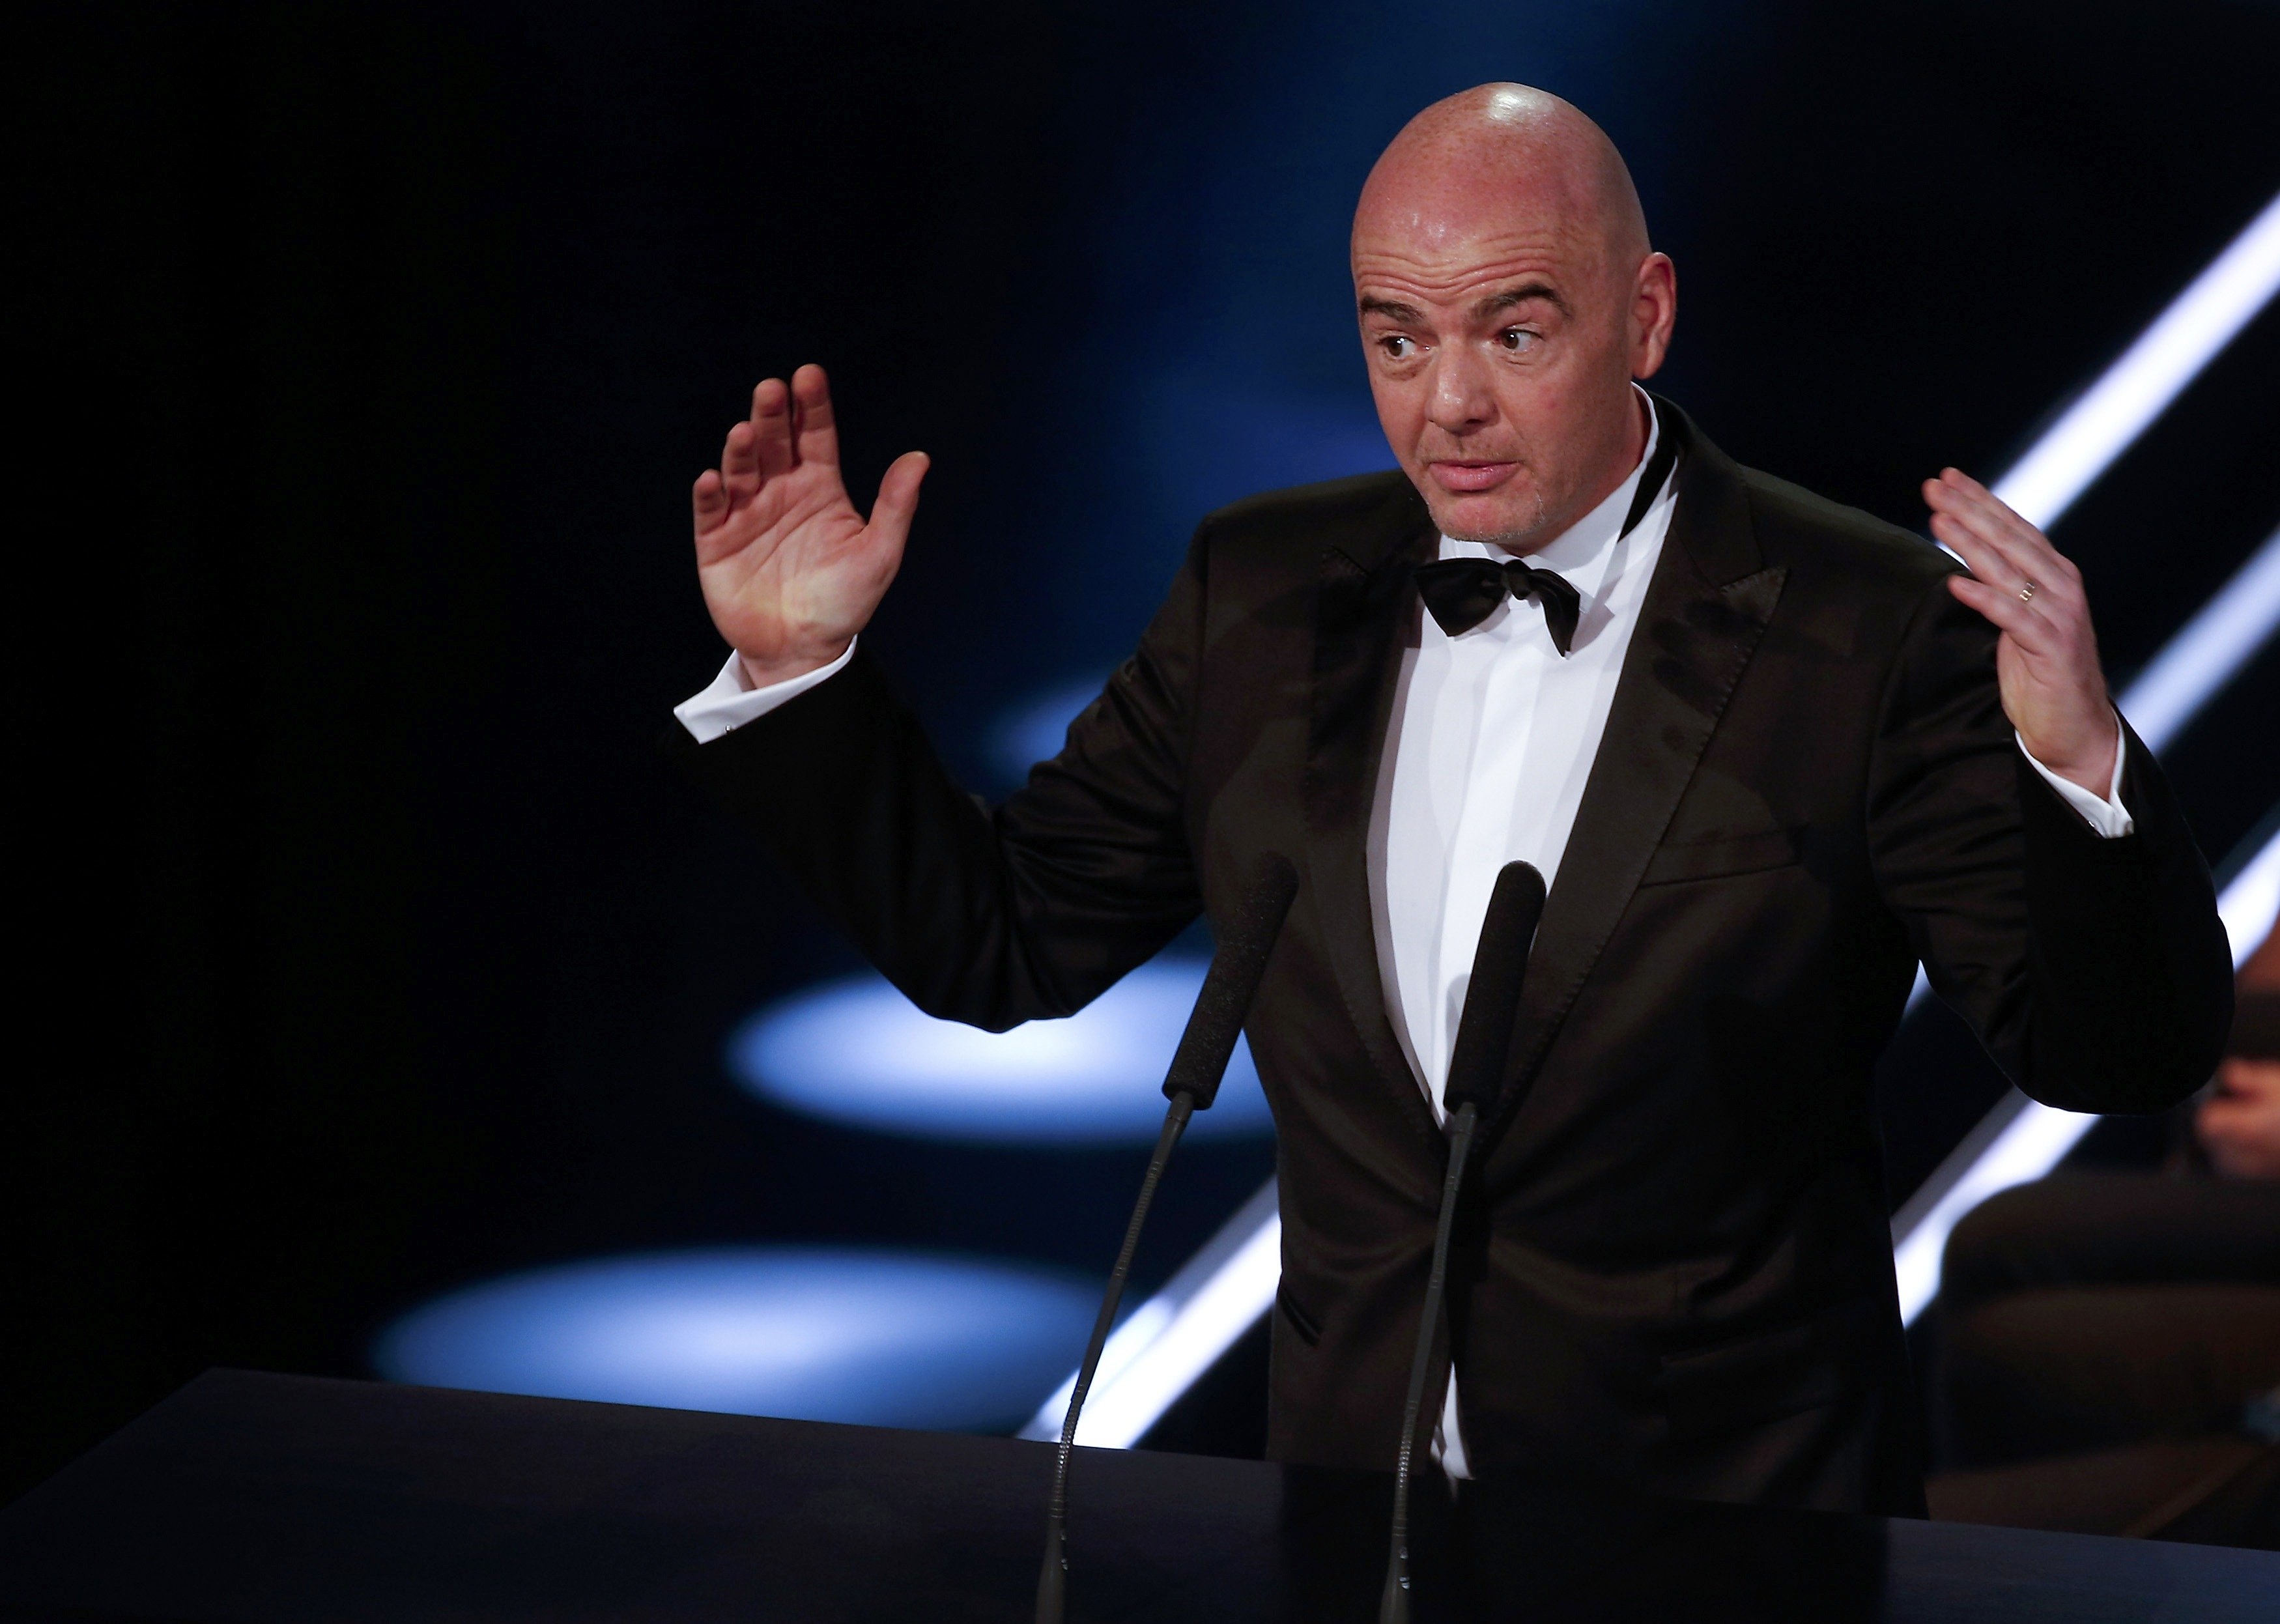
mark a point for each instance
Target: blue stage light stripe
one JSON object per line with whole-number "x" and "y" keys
{"x": 2200, "y": 321}
{"x": 1171, "y": 1339}
{"x": 2197, "y": 663}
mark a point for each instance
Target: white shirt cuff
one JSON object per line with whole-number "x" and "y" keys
{"x": 2110, "y": 817}
{"x": 729, "y": 701}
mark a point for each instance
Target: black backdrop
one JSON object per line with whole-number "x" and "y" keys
{"x": 364, "y": 356}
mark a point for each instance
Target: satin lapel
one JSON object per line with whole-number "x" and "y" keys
{"x": 1360, "y": 612}
{"x": 1706, "y": 608}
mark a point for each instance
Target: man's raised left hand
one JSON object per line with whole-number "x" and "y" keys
{"x": 2046, "y": 659}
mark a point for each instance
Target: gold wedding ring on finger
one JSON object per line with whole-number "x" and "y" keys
{"x": 2027, "y": 593}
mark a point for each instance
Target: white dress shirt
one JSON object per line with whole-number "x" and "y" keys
{"x": 1493, "y": 734}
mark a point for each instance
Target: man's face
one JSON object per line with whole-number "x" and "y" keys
{"x": 1501, "y": 344}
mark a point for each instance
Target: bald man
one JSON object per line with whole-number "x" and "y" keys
{"x": 1769, "y": 751}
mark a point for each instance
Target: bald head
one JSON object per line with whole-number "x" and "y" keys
{"x": 1508, "y": 296}
{"x": 1504, "y": 148}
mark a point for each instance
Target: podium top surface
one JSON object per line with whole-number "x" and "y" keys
{"x": 266, "y": 1497}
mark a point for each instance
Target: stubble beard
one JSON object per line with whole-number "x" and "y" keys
{"x": 1524, "y": 539}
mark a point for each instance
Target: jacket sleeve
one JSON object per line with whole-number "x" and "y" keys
{"x": 2095, "y": 970}
{"x": 990, "y": 917}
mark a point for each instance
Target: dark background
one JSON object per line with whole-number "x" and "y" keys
{"x": 364, "y": 355}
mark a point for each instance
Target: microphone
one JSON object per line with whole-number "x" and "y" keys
{"x": 1191, "y": 1085}
{"x": 1493, "y": 996}
{"x": 1475, "y": 1078}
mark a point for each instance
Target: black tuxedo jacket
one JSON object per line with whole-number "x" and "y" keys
{"x": 1678, "y": 1264}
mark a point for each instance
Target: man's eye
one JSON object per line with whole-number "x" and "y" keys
{"x": 1398, "y": 347}
{"x": 1516, "y": 339}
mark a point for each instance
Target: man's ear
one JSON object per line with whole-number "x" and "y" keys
{"x": 1654, "y": 313}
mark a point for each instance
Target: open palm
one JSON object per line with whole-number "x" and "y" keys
{"x": 791, "y": 571}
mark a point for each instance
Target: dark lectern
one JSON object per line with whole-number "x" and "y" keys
{"x": 261, "y": 1497}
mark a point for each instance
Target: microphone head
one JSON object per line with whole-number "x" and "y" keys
{"x": 1245, "y": 943}
{"x": 1493, "y": 996}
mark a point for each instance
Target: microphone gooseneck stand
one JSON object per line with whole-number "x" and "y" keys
{"x": 1475, "y": 1076}
{"x": 1191, "y": 1085}
{"x": 1393, "y": 1606}
{"x": 1052, "y": 1580}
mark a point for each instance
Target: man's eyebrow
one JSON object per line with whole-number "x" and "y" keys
{"x": 1393, "y": 310}
{"x": 1520, "y": 295}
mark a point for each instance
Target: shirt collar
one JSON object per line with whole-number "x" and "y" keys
{"x": 1585, "y": 550}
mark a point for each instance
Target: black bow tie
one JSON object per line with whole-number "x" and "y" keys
{"x": 1463, "y": 592}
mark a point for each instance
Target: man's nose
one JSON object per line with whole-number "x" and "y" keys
{"x": 1460, "y": 400}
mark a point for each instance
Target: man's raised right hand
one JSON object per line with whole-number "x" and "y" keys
{"x": 791, "y": 571}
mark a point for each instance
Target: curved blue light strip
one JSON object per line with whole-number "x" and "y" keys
{"x": 857, "y": 1052}
{"x": 821, "y": 1334}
